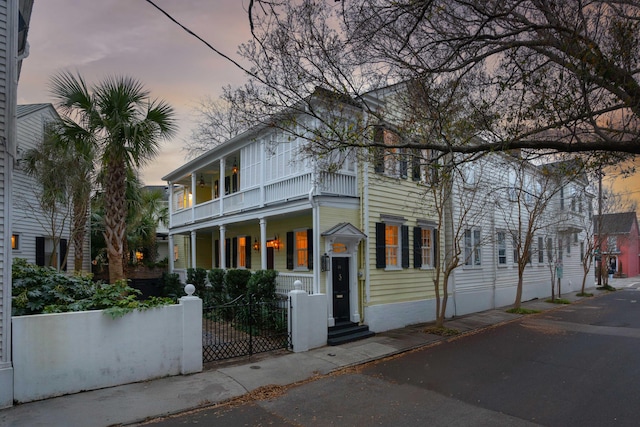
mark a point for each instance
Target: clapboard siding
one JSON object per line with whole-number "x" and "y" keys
{"x": 28, "y": 220}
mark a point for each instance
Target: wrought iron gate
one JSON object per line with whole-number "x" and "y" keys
{"x": 244, "y": 327}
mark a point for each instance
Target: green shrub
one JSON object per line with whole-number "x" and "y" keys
{"x": 236, "y": 282}
{"x": 38, "y": 290}
{"x": 173, "y": 288}
{"x": 198, "y": 278}
{"x": 216, "y": 280}
{"x": 262, "y": 285}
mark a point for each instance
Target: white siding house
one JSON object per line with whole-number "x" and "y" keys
{"x": 32, "y": 234}
{"x": 14, "y": 22}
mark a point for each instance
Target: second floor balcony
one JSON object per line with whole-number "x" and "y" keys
{"x": 206, "y": 200}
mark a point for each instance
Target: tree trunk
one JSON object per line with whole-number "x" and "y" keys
{"x": 79, "y": 232}
{"x": 115, "y": 217}
{"x": 517, "y": 302}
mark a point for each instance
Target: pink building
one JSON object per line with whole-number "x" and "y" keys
{"x": 620, "y": 244}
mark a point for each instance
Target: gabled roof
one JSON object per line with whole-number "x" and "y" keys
{"x": 26, "y": 109}
{"x": 344, "y": 229}
{"x": 616, "y": 223}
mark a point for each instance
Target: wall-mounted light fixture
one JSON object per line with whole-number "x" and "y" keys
{"x": 275, "y": 243}
{"x": 256, "y": 245}
{"x": 201, "y": 183}
{"x": 235, "y": 166}
{"x": 324, "y": 263}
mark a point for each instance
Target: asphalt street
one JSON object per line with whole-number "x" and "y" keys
{"x": 574, "y": 366}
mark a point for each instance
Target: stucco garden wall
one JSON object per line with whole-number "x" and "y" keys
{"x": 57, "y": 354}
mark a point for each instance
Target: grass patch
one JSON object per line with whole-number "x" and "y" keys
{"x": 522, "y": 311}
{"x": 606, "y": 288}
{"x": 558, "y": 301}
{"x": 442, "y": 331}
{"x": 584, "y": 294}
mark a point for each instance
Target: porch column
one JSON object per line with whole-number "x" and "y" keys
{"x": 193, "y": 249}
{"x": 193, "y": 197}
{"x": 263, "y": 172}
{"x": 213, "y": 249}
{"x": 223, "y": 254}
{"x": 263, "y": 243}
{"x": 221, "y": 189}
{"x": 171, "y": 256}
{"x": 170, "y": 184}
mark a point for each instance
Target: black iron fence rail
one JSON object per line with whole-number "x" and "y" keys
{"x": 244, "y": 327}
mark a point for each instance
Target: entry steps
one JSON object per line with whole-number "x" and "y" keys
{"x": 344, "y": 332}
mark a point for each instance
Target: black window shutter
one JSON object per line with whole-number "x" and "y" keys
{"x": 227, "y": 252}
{"x": 40, "y": 251}
{"x": 417, "y": 247}
{"x": 234, "y": 254}
{"x": 234, "y": 183}
{"x": 404, "y": 167}
{"x": 415, "y": 166}
{"x": 63, "y": 254}
{"x": 227, "y": 185}
{"x": 405, "y": 246}
{"x": 216, "y": 251}
{"x": 247, "y": 251}
{"x": 381, "y": 259}
{"x": 436, "y": 240}
{"x": 289, "y": 250}
{"x": 310, "y": 248}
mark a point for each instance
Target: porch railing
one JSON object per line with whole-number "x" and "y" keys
{"x": 290, "y": 188}
{"x": 284, "y": 282}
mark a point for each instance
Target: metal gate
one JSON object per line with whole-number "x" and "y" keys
{"x": 244, "y": 327}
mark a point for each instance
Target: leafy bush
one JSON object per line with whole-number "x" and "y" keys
{"x": 198, "y": 278}
{"x": 262, "y": 285}
{"x": 216, "y": 280}
{"x": 173, "y": 288}
{"x": 39, "y": 290}
{"x": 236, "y": 282}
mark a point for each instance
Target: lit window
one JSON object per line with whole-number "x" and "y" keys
{"x": 15, "y": 241}
{"x": 302, "y": 249}
{"x": 392, "y": 245}
{"x": 242, "y": 252}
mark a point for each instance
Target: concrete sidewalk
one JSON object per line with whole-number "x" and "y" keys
{"x": 136, "y": 402}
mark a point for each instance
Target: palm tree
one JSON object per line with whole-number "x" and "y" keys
{"x": 126, "y": 128}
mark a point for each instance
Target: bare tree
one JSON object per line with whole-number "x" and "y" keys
{"x": 216, "y": 122}
{"x": 553, "y": 75}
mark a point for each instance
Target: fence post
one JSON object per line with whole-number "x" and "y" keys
{"x": 308, "y": 314}
{"x": 191, "y": 332}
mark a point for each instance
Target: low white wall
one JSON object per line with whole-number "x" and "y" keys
{"x": 57, "y": 354}
{"x": 384, "y": 317}
{"x": 308, "y": 326}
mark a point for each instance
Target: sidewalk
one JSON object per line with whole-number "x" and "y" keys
{"x": 132, "y": 403}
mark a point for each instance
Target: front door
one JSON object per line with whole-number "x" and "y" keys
{"x": 270, "y": 258}
{"x": 340, "y": 274}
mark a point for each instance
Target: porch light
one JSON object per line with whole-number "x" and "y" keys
{"x": 201, "y": 183}
{"x": 256, "y": 245}
{"x": 235, "y": 166}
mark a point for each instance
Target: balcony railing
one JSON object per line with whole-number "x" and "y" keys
{"x": 287, "y": 189}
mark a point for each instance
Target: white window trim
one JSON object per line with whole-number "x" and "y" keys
{"x": 475, "y": 248}
{"x": 431, "y": 249}
{"x": 296, "y": 267}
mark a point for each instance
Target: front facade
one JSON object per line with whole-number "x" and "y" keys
{"x": 367, "y": 234}
{"x": 619, "y": 243}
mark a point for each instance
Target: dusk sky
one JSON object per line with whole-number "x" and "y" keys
{"x": 131, "y": 37}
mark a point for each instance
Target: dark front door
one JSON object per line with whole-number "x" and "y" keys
{"x": 270, "y": 256}
{"x": 340, "y": 274}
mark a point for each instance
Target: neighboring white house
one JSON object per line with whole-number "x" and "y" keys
{"x": 14, "y": 22}
{"x": 515, "y": 193}
{"x": 32, "y": 231}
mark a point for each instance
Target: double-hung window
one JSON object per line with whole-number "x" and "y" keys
{"x": 392, "y": 244}
{"x": 425, "y": 243}
{"x": 502, "y": 247}
{"x": 472, "y": 252}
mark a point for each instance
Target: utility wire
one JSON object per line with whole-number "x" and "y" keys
{"x": 204, "y": 41}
